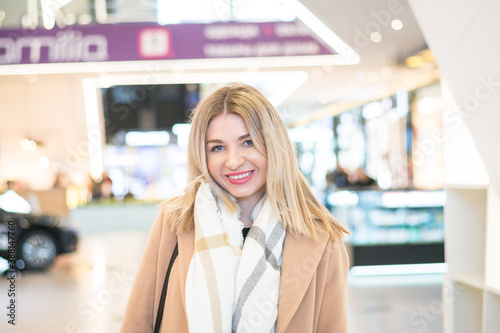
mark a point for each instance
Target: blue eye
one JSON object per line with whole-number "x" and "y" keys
{"x": 216, "y": 148}
{"x": 248, "y": 143}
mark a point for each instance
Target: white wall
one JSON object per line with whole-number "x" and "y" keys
{"x": 48, "y": 108}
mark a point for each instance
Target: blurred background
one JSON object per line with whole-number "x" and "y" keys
{"x": 392, "y": 105}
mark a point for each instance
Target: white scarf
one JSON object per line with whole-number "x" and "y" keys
{"x": 231, "y": 288}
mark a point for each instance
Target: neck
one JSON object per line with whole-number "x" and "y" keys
{"x": 247, "y": 206}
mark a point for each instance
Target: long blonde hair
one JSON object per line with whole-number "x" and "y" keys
{"x": 286, "y": 187}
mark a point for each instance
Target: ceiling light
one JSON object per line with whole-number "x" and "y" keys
{"x": 376, "y": 37}
{"x": 101, "y": 12}
{"x": 28, "y": 145}
{"x": 70, "y": 19}
{"x": 44, "y": 162}
{"x": 30, "y": 20}
{"x": 322, "y": 30}
{"x": 397, "y": 24}
{"x": 84, "y": 19}
{"x": 48, "y": 14}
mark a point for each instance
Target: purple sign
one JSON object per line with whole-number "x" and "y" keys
{"x": 128, "y": 42}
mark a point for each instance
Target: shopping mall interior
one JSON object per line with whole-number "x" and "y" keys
{"x": 392, "y": 106}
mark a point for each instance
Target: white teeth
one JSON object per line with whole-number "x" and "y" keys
{"x": 243, "y": 175}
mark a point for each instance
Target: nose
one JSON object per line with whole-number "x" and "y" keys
{"x": 235, "y": 159}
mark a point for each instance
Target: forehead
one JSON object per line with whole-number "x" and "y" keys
{"x": 226, "y": 125}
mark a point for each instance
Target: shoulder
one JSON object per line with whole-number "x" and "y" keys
{"x": 336, "y": 260}
{"x": 335, "y": 253}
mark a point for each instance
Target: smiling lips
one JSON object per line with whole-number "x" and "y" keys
{"x": 239, "y": 177}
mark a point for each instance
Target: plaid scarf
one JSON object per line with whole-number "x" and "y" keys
{"x": 231, "y": 287}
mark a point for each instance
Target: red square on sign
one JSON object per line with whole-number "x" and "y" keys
{"x": 155, "y": 43}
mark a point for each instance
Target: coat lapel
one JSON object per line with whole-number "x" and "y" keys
{"x": 301, "y": 256}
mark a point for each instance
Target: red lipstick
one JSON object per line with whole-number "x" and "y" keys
{"x": 239, "y": 178}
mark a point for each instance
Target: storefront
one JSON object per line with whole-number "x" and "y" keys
{"x": 379, "y": 169}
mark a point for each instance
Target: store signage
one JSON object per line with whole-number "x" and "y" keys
{"x": 129, "y": 42}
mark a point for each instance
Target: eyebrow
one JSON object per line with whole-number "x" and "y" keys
{"x": 243, "y": 137}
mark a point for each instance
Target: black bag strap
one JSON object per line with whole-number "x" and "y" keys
{"x": 159, "y": 316}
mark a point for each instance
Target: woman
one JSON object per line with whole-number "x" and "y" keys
{"x": 291, "y": 273}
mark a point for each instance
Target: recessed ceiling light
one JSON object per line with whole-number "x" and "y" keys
{"x": 84, "y": 19}
{"x": 28, "y": 145}
{"x": 376, "y": 37}
{"x": 44, "y": 162}
{"x": 397, "y": 24}
{"x": 70, "y": 19}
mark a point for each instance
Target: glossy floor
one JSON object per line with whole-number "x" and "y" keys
{"x": 86, "y": 292}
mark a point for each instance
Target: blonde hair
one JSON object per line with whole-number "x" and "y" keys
{"x": 286, "y": 187}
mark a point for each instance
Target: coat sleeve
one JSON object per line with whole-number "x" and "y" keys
{"x": 140, "y": 311}
{"x": 333, "y": 313}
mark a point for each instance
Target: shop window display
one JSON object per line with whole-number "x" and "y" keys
{"x": 144, "y": 153}
{"x": 387, "y": 183}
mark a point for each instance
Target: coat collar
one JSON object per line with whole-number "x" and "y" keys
{"x": 301, "y": 256}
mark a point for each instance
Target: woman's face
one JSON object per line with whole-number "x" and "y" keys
{"x": 233, "y": 160}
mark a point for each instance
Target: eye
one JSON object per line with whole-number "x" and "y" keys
{"x": 217, "y": 148}
{"x": 248, "y": 143}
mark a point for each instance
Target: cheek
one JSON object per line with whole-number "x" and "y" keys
{"x": 212, "y": 165}
{"x": 262, "y": 164}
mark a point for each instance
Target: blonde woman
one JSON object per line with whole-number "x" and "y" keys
{"x": 256, "y": 251}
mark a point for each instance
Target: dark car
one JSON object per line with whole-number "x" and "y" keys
{"x": 33, "y": 241}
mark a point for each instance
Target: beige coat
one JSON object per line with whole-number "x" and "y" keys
{"x": 312, "y": 294}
